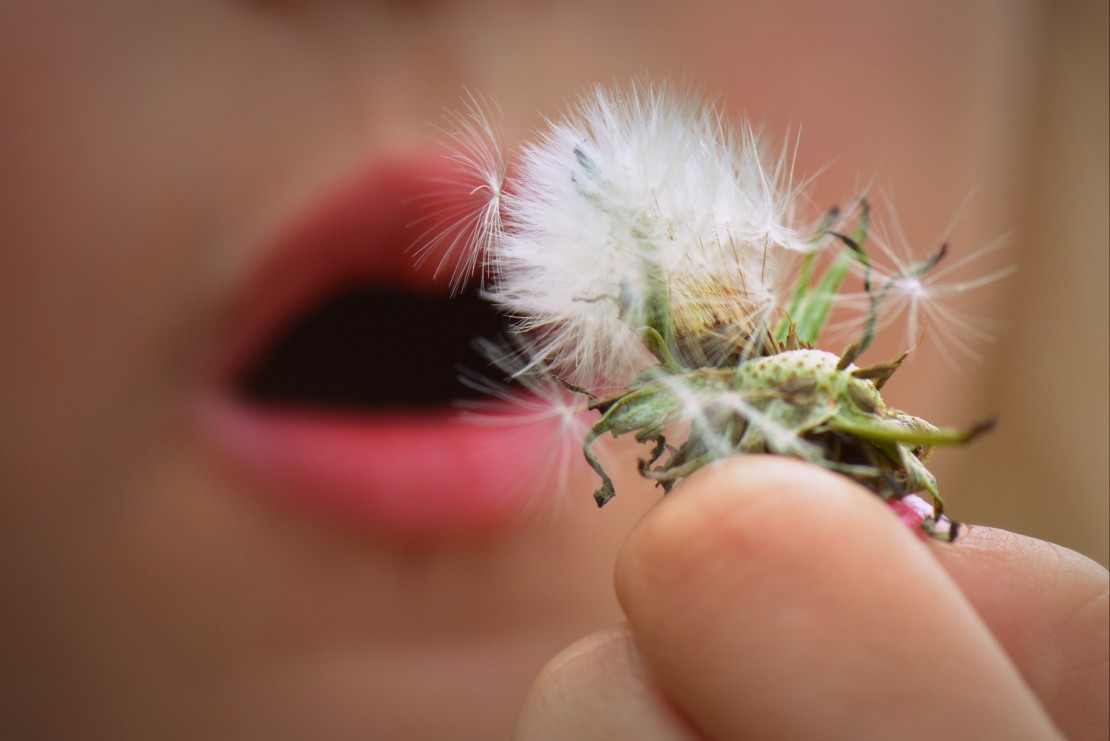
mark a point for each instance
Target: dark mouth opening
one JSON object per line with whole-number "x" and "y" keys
{"x": 372, "y": 347}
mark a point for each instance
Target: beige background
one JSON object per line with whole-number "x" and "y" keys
{"x": 1045, "y": 469}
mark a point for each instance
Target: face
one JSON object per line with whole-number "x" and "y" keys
{"x": 186, "y": 182}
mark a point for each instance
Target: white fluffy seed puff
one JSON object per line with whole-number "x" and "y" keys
{"x": 633, "y": 200}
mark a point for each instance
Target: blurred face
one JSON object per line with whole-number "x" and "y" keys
{"x": 233, "y": 494}
{"x": 199, "y": 529}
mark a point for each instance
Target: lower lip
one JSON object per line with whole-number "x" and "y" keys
{"x": 401, "y": 474}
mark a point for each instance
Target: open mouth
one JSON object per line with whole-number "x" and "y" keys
{"x": 341, "y": 372}
{"x": 370, "y": 348}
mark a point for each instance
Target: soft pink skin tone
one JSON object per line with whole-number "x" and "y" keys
{"x": 154, "y": 589}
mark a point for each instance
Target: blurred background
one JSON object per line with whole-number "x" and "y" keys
{"x": 1044, "y": 471}
{"x": 979, "y": 120}
{"x": 1041, "y": 169}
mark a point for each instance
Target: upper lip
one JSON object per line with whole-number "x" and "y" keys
{"x": 356, "y": 231}
{"x": 407, "y": 473}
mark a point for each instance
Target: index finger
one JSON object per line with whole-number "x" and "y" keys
{"x": 1049, "y": 609}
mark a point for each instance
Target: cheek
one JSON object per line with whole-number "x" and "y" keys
{"x": 133, "y": 170}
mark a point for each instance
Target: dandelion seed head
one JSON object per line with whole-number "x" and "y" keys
{"x": 627, "y": 190}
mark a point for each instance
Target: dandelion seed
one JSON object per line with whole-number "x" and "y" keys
{"x": 464, "y": 219}
{"x": 919, "y": 294}
{"x": 533, "y": 401}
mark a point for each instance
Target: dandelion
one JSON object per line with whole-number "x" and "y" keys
{"x": 654, "y": 262}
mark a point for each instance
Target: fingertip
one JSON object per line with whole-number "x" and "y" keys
{"x": 598, "y": 688}
{"x": 772, "y": 511}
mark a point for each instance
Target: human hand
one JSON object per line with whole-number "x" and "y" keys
{"x": 770, "y": 599}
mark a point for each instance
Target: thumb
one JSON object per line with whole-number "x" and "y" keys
{"x": 772, "y": 599}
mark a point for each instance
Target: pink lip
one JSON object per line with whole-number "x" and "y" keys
{"x": 401, "y": 473}
{"x": 359, "y": 230}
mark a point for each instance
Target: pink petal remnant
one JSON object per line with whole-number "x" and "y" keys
{"x": 918, "y": 515}
{"x": 912, "y": 509}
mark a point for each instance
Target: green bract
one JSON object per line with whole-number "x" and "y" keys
{"x": 745, "y": 390}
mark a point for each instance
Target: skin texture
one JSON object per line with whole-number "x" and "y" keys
{"x": 147, "y": 152}
{"x": 755, "y": 610}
